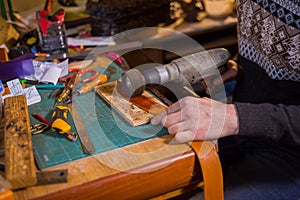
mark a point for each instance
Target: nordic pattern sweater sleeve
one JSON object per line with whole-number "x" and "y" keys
{"x": 278, "y": 124}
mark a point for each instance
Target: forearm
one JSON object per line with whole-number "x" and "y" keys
{"x": 272, "y": 123}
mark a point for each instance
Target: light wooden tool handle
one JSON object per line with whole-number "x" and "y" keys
{"x": 102, "y": 78}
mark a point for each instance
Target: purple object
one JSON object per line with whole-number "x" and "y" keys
{"x": 16, "y": 68}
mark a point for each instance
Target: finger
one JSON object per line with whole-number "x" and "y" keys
{"x": 172, "y": 119}
{"x": 232, "y": 71}
{"x": 157, "y": 119}
{"x": 173, "y": 108}
{"x": 180, "y": 127}
{"x": 185, "y": 136}
{"x": 232, "y": 65}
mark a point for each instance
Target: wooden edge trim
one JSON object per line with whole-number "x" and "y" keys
{"x": 211, "y": 169}
{"x": 138, "y": 183}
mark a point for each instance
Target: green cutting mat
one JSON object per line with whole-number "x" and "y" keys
{"x": 106, "y": 128}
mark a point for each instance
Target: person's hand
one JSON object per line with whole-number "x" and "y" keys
{"x": 198, "y": 119}
{"x": 230, "y": 74}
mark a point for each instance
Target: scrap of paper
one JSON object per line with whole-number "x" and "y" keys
{"x": 31, "y": 93}
{"x": 15, "y": 87}
{"x": 51, "y": 75}
{"x": 49, "y": 72}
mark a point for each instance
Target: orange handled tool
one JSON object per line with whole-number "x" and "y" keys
{"x": 102, "y": 78}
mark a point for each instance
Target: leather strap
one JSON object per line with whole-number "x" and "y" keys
{"x": 211, "y": 169}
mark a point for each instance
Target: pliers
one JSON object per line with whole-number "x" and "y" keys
{"x": 39, "y": 128}
{"x": 81, "y": 73}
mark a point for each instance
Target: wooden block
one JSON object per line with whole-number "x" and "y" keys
{"x": 3, "y": 55}
{"x": 130, "y": 111}
{"x": 19, "y": 159}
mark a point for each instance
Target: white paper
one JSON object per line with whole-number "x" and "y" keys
{"x": 64, "y": 67}
{"x": 51, "y": 75}
{"x": 15, "y": 87}
{"x": 92, "y": 41}
{"x": 49, "y": 72}
{"x": 31, "y": 93}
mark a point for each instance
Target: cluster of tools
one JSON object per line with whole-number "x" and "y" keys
{"x": 63, "y": 98}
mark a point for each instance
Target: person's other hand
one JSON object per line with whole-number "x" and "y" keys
{"x": 230, "y": 74}
{"x": 198, "y": 119}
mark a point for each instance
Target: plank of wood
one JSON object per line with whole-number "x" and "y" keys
{"x": 127, "y": 108}
{"x": 19, "y": 159}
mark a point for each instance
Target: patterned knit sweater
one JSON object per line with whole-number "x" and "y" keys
{"x": 269, "y": 35}
{"x": 268, "y": 94}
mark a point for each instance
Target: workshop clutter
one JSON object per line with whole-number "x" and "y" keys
{"x": 114, "y": 16}
{"x": 52, "y": 33}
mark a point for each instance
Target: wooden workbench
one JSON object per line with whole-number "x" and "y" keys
{"x": 139, "y": 171}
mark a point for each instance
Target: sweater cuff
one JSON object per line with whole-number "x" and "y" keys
{"x": 255, "y": 121}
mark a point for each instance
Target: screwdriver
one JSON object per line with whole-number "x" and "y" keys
{"x": 102, "y": 78}
{"x": 68, "y": 88}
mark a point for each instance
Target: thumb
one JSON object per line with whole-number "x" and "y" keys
{"x": 157, "y": 119}
{"x": 184, "y": 136}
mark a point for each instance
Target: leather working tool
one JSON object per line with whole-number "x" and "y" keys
{"x": 102, "y": 78}
{"x": 38, "y": 128}
{"x": 81, "y": 73}
{"x": 75, "y": 78}
{"x": 87, "y": 144}
{"x": 192, "y": 68}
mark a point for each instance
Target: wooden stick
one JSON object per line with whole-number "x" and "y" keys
{"x": 19, "y": 159}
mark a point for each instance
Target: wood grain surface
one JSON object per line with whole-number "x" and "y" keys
{"x": 19, "y": 159}
{"x": 135, "y": 111}
{"x": 138, "y": 171}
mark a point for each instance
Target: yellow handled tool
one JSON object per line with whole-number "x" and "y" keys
{"x": 60, "y": 123}
{"x": 59, "y": 117}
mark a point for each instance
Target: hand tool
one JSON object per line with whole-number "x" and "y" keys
{"x": 102, "y": 78}
{"x": 38, "y": 128}
{"x": 59, "y": 117}
{"x": 70, "y": 136}
{"x": 67, "y": 90}
{"x": 49, "y": 86}
{"x": 42, "y": 119}
{"x": 192, "y": 68}
{"x": 82, "y": 132}
{"x": 60, "y": 123}
{"x": 81, "y": 73}
{"x": 42, "y": 177}
{"x": 74, "y": 79}
{"x": 44, "y": 20}
{"x": 55, "y": 93}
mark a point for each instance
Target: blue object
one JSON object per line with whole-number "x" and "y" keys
{"x": 1, "y": 87}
